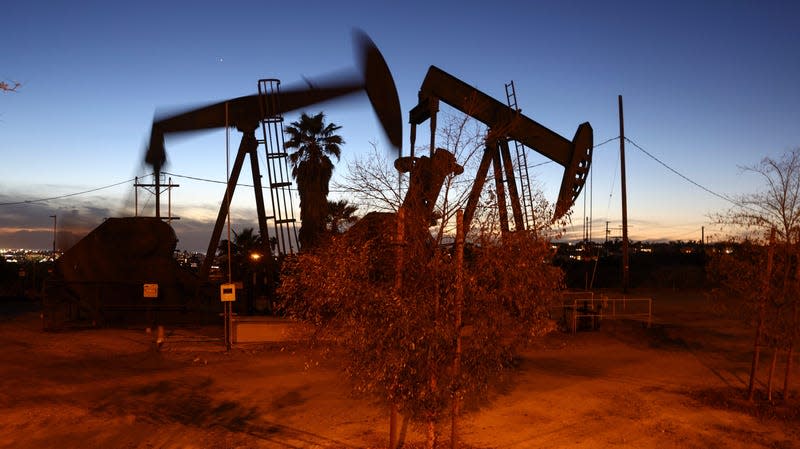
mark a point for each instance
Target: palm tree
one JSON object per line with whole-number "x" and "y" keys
{"x": 314, "y": 142}
{"x": 244, "y": 245}
{"x": 340, "y": 214}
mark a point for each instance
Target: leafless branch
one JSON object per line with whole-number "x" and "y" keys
{"x": 13, "y": 86}
{"x": 777, "y": 206}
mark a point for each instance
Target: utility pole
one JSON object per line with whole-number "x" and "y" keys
{"x": 156, "y": 186}
{"x": 55, "y": 221}
{"x": 136, "y": 197}
{"x": 400, "y": 240}
{"x": 157, "y": 182}
{"x": 625, "y": 263}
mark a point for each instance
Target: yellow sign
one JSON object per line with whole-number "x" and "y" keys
{"x": 151, "y": 290}
{"x": 227, "y": 292}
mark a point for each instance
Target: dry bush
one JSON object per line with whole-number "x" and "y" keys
{"x": 400, "y": 345}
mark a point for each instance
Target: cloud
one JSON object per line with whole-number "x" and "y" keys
{"x": 30, "y": 225}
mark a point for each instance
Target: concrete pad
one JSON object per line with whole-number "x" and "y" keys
{"x": 266, "y": 329}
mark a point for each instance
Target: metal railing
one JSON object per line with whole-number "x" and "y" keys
{"x": 583, "y": 306}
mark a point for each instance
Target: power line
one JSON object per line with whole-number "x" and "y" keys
{"x": 718, "y": 195}
{"x": 549, "y": 161}
{"x": 215, "y": 181}
{"x": 195, "y": 178}
{"x": 613, "y": 182}
{"x": 606, "y": 141}
{"x": 41, "y": 200}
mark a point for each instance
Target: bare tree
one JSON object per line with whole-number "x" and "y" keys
{"x": 761, "y": 281}
{"x": 375, "y": 184}
{"x": 9, "y": 87}
{"x": 465, "y": 138}
{"x": 777, "y": 206}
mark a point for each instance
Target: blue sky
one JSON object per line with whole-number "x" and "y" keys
{"x": 707, "y": 87}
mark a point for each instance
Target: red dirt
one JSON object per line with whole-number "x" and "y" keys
{"x": 679, "y": 384}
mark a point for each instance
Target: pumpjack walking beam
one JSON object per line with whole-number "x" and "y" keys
{"x": 505, "y": 123}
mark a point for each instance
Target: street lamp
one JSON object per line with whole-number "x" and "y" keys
{"x": 55, "y": 221}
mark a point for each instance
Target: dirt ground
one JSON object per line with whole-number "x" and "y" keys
{"x": 678, "y": 384}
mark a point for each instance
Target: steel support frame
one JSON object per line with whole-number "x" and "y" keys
{"x": 247, "y": 146}
{"x": 496, "y": 154}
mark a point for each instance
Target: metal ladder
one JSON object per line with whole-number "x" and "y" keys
{"x": 522, "y": 166}
{"x": 279, "y": 179}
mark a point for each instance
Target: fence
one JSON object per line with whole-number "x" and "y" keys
{"x": 583, "y": 308}
{"x": 100, "y": 302}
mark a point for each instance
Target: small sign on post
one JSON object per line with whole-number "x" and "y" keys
{"x": 227, "y": 292}
{"x": 151, "y": 291}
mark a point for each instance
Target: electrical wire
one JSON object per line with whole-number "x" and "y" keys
{"x": 606, "y": 141}
{"x": 613, "y": 183}
{"x": 718, "y": 195}
{"x": 84, "y": 192}
{"x": 195, "y": 178}
{"x": 214, "y": 181}
{"x": 550, "y": 161}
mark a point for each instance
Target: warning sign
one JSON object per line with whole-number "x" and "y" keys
{"x": 151, "y": 290}
{"x": 227, "y": 292}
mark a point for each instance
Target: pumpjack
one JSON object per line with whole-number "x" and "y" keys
{"x": 77, "y": 280}
{"x": 106, "y": 270}
{"x": 504, "y": 124}
{"x": 246, "y": 113}
{"x": 428, "y": 173}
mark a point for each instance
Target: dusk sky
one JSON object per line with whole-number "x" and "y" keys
{"x": 707, "y": 86}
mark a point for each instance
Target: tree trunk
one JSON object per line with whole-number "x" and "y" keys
{"x": 790, "y": 352}
{"x": 432, "y": 367}
{"x": 459, "y": 304}
{"x": 430, "y": 440}
{"x": 454, "y": 422}
{"x": 431, "y": 434}
{"x": 792, "y": 331}
{"x": 786, "y": 383}
{"x": 393, "y": 427}
{"x": 751, "y": 387}
{"x": 771, "y": 373}
{"x": 761, "y": 311}
{"x": 398, "y": 286}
